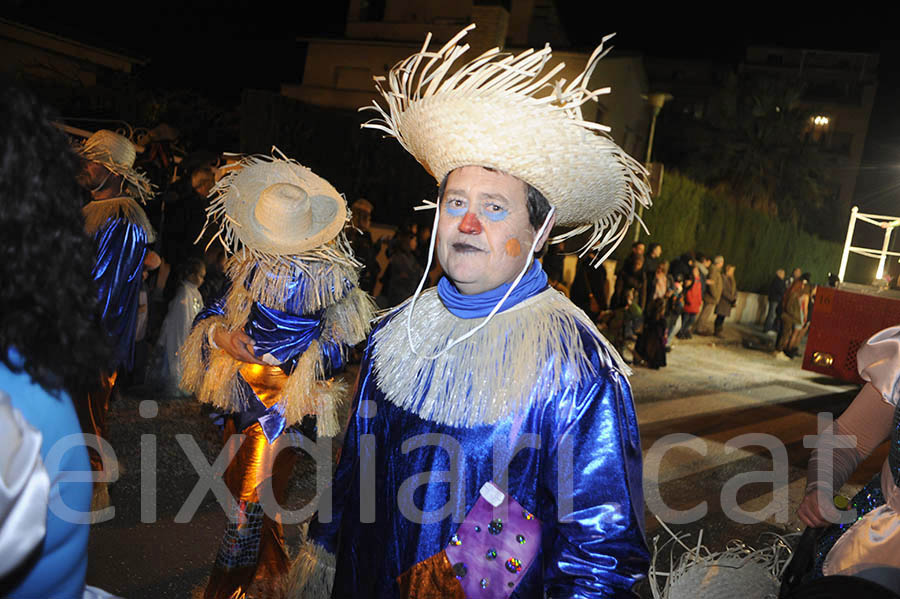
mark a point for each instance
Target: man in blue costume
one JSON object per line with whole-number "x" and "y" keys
{"x": 493, "y": 448}
{"x": 122, "y": 234}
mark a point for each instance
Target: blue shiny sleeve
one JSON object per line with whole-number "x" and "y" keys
{"x": 332, "y": 356}
{"x": 215, "y": 307}
{"x": 596, "y": 545}
{"x": 121, "y": 247}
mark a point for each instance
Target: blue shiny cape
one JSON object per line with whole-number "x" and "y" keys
{"x": 583, "y": 483}
{"x": 121, "y": 247}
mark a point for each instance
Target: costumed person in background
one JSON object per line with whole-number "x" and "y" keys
{"x": 50, "y": 346}
{"x": 264, "y": 352}
{"x": 183, "y": 309}
{"x": 868, "y": 546}
{"x": 122, "y": 235}
{"x": 461, "y": 377}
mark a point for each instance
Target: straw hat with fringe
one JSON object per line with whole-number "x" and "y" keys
{"x": 117, "y": 154}
{"x": 505, "y": 112}
{"x": 274, "y": 207}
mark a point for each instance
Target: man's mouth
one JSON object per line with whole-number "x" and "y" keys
{"x": 465, "y": 248}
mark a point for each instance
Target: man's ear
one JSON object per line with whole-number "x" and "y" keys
{"x": 542, "y": 242}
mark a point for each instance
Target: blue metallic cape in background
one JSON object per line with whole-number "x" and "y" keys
{"x": 420, "y": 478}
{"x": 121, "y": 248}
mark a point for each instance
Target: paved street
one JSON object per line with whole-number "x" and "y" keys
{"x": 712, "y": 389}
{"x": 717, "y": 391}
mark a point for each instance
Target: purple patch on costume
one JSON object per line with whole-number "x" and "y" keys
{"x": 514, "y": 545}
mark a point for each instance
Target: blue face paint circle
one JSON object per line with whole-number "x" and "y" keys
{"x": 453, "y": 210}
{"x": 493, "y": 214}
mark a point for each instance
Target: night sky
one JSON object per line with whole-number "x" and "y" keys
{"x": 199, "y": 45}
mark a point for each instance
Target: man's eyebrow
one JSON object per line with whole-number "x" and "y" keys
{"x": 487, "y": 195}
{"x": 458, "y": 192}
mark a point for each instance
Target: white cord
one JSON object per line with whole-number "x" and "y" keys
{"x": 412, "y": 305}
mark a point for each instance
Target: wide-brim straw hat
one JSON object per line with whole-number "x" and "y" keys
{"x": 117, "y": 154}
{"x": 270, "y": 206}
{"x": 504, "y": 112}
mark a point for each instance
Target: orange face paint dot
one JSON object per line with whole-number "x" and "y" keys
{"x": 513, "y": 248}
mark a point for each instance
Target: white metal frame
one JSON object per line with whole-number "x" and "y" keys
{"x": 888, "y": 223}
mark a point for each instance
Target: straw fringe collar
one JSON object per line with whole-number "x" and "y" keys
{"x": 98, "y": 212}
{"x": 529, "y": 352}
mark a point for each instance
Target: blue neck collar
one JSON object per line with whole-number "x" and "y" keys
{"x": 479, "y": 305}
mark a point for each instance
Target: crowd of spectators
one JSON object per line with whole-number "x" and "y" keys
{"x": 652, "y": 301}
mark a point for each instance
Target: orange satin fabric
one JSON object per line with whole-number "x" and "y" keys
{"x": 255, "y": 461}
{"x": 432, "y": 578}
{"x": 91, "y": 408}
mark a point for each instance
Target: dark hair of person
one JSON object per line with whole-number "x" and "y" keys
{"x": 48, "y": 301}
{"x": 657, "y": 309}
{"x": 652, "y": 247}
{"x": 538, "y": 206}
{"x": 190, "y": 266}
{"x": 403, "y": 240}
{"x": 636, "y": 243}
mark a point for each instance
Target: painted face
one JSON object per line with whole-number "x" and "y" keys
{"x": 484, "y": 235}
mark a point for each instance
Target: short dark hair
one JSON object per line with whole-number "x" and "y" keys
{"x": 191, "y": 266}
{"x": 538, "y": 206}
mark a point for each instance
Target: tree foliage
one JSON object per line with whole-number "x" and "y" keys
{"x": 754, "y": 143}
{"x": 689, "y": 216}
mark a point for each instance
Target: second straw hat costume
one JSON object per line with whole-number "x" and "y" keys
{"x": 122, "y": 235}
{"x": 293, "y": 290}
{"x": 455, "y": 390}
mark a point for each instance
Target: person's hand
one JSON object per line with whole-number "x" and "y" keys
{"x": 810, "y": 512}
{"x": 236, "y": 344}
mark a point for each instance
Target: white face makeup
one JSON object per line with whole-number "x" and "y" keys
{"x": 484, "y": 233}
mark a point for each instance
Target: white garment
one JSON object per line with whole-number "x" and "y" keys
{"x": 183, "y": 308}
{"x": 871, "y": 547}
{"x": 24, "y": 487}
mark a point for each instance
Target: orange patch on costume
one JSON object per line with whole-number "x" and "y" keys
{"x": 513, "y": 247}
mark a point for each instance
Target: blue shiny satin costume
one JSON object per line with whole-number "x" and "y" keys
{"x": 583, "y": 483}
{"x": 285, "y": 335}
{"x": 252, "y": 548}
{"x": 121, "y": 248}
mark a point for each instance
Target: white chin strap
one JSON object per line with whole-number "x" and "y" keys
{"x": 412, "y": 305}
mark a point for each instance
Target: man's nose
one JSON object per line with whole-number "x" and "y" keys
{"x": 470, "y": 224}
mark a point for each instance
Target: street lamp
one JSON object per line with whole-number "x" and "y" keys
{"x": 656, "y": 102}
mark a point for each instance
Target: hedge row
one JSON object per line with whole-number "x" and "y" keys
{"x": 689, "y": 216}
